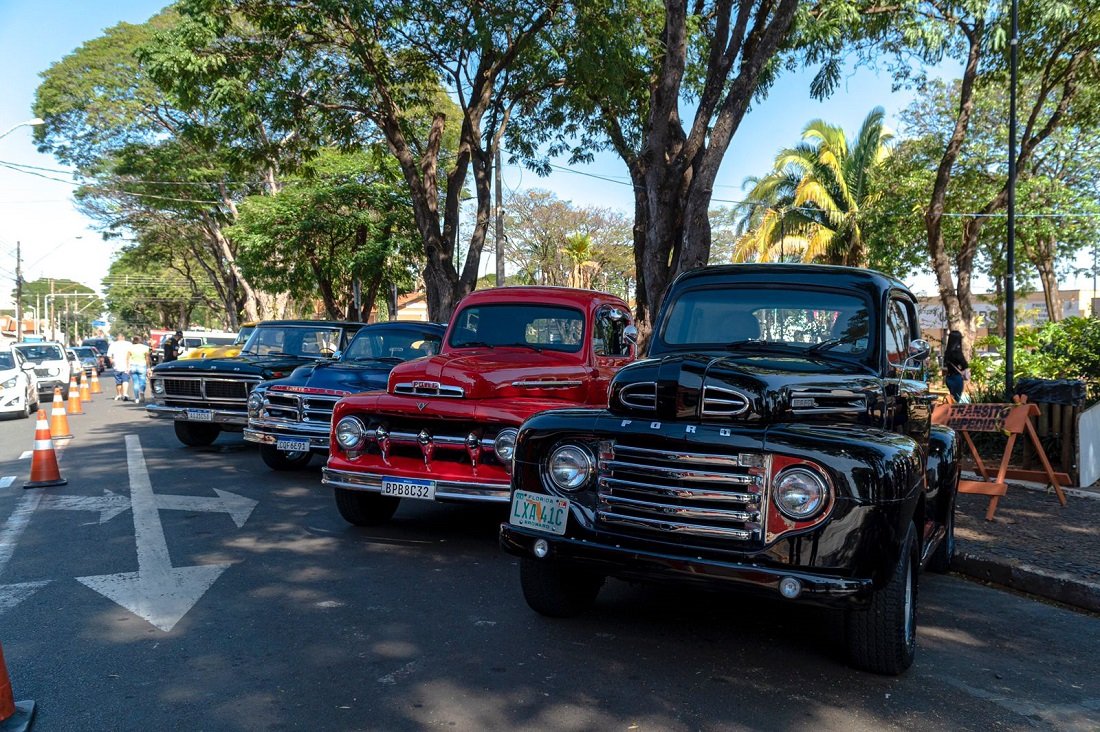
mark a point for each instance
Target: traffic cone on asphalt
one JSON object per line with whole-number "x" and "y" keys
{"x": 74, "y": 397}
{"x": 95, "y": 383}
{"x": 44, "y": 470}
{"x": 59, "y": 421}
{"x": 85, "y": 391}
{"x": 14, "y": 716}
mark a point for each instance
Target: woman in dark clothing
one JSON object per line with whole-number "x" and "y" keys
{"x": 955, "y": 364}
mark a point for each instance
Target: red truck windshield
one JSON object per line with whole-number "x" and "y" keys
{"x": 544, "y": 327}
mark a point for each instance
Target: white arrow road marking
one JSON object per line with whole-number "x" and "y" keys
{"x": 238, "y": 507}
{"x": 26, "y": 454}
{"x": 157, "y": 592}
{"x": 6, "y": 481}
{"x": 12, "y": 595}
{"x": 108, "y": 505}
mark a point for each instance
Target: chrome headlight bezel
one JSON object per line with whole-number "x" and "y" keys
{"x": 157, "y": 386}
{"x": 570, "y": 467}
{"x": 800, "y": 493}
{"x": 255, "y": 403}
{"x": 504, "y": 444}
{"x": 350, "y": 433}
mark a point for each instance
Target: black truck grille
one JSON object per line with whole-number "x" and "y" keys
{"x": 182, "y": 388}
{"x": 647, "y": 491}
{"x": 196, "y": 391}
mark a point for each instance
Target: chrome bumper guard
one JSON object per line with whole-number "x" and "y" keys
{"x": 445, "y": 490}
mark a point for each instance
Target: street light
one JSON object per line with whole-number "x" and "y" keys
{"x": 29, "y": 123}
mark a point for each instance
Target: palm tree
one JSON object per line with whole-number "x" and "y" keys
{"x": 810, "y": 206}
{"x": 579, "y": 251}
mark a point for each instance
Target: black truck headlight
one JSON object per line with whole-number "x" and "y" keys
{"x": 505, "y": 444}
{"x": 255, "y": 403}
{"x": 800, "y": 493}
{"x": 350, "y": 433}
{"x": 569, "y": 467}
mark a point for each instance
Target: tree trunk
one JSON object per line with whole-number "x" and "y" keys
{"x": 1043, "y": 258}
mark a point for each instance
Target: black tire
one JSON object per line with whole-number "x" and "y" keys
{"x": 197, "y": 435}
{"x": 359, "y": 508}
{"x": 558, "y": 590}
{"x": 945, "y": 552}
{"x": 279, "y": 460}
{"x": 883, "y": 637}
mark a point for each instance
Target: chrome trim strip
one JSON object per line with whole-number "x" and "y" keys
{"x": 675, "y": 527}
{"x": 545, "y": 384}
{"x": 288, "y": 428}
{"x": 672, "y": 455}
{"x": 444, "y": 490}
{"x": 677, "y": 473}
{"x": 444, "y": 390}
{"x": 698, "y": 494}
{"x": 667, "y": 509}
{"x": 724, "y": 407}
{"x": 640, "y": 401}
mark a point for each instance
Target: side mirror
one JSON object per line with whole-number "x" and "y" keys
{"x": 337, "y": 355}
{"x": 630, "y": 335}
{"x": 919, "y": 350}
{"x": 28, "y": 366}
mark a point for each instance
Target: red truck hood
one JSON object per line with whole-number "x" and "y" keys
{"x": 501, "y": 372}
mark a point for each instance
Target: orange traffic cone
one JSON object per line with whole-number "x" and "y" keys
{"x": 95, "y": 383}
{"x": 74, "y": 397}
{"x": 85, "y": 390}
{"x": 59, "y": 421}
{"x": 14, "y": 716}
{"x": 44, "y": 470}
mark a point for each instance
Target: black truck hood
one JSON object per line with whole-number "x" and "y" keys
{"x": 352, "y": 377}
{"x": 746, "y": 388}
{"x": 267, "y": 367}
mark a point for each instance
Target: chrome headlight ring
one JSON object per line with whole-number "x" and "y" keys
{"x": 350, "y": 433}
{"x": 800, "y": 493}
{"x": 504, "y": 445}
{"x": 570, "y": 467}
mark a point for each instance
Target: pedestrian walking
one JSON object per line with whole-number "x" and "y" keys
{"x": 172, "y": 345}
{"x": 140, "y": 361}
{"x": 956, "y": 367}
{"x": 119, "y": 353}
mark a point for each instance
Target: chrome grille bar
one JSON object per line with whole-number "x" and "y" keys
{"x": 667, "y": 509}
{"x": 675, "y": 527}
{"x": 698, "y": 494}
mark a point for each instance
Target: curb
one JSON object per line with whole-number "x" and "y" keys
{"x": 1059, "y": 586}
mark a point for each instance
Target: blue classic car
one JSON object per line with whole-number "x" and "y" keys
{"x": 290, "y": 417}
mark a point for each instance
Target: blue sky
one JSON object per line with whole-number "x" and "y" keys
{"x": 57, "y": 240}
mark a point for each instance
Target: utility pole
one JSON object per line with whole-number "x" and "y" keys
{"x": 500, "y": 223}
{"x": 1010, "y": 284}
{"x": 18, "y": 293}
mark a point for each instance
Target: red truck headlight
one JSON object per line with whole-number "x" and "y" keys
{"x": 350, "y": 433}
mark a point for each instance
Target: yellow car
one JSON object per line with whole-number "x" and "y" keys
{"x": 215, "y": 350}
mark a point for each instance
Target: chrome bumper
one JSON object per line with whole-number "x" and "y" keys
{"x": 219, "y": 416}
{"x": 268, "y": 433}
{"x": 445, "y": 490}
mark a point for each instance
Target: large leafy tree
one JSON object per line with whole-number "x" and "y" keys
{"x": 408, "y": 73}
{"x": 342, "y": 224}
{"x": 158, "y": 285}
{"x": 811, "y": 205}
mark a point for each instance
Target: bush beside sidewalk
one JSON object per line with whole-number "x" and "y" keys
{"x": 1033, "y": 544}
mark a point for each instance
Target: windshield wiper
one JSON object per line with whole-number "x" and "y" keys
{"x": 532, "y": 346}
{"x": 754, "y": 345}
{"x": 474, "y": 344}
{"x": 384, "y": 359}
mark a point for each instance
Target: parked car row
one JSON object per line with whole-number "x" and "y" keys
{"x": 777, "y": 439}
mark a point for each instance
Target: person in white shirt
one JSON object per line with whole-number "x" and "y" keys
{"x": 119, "y": 353}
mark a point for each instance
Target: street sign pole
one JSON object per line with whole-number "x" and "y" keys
{"x": 1010, "y": 284}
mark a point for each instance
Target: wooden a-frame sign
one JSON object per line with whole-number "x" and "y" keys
{"x": 1011, "y": 419}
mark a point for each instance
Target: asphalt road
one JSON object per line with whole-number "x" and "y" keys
{"x": 300, "y": 621}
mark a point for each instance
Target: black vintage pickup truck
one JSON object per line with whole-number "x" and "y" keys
{"x": 777, "y": 440}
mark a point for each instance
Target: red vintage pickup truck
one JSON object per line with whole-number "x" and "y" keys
{"x": 445, "y": 428}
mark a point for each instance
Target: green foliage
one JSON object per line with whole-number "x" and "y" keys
{"x": 1067, "y": 349}
{"x": 345, "y": 215}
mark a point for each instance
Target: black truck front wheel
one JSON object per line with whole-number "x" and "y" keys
{"x": 365, "y": 509}
{"x": 558, "y": 590}
{"x": 883, "y": 637}
{"x": 195, "y": 434}
{"x": 279, "y": 460}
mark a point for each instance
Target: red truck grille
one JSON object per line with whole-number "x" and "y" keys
{"x": 646, "y": 491}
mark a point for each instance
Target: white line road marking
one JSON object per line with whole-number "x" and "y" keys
{"x": 12, "y": 595}
{"x": 238, "y": 507}
{"x": 108, "y": 505}
{"x": 157, "y": 591}
{"x": 6, "y": 481}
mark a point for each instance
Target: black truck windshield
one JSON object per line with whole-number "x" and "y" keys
{"x": 754, "y": 319}
{"x": 540, "y": 327}
{"x": 294, "y": 340}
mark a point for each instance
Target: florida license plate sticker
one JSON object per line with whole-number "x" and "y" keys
{"x": 409, "y": 488}
{"x": 292, "y": 445}
{"x": 200, "y": 415}
{"x": 540, "y": 512}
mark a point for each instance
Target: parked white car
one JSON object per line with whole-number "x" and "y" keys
{"x": 18, "y": 385}
{"x": 51, "y": 366}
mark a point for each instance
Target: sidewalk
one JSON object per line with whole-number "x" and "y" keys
{"x": 1033, "y": 544}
